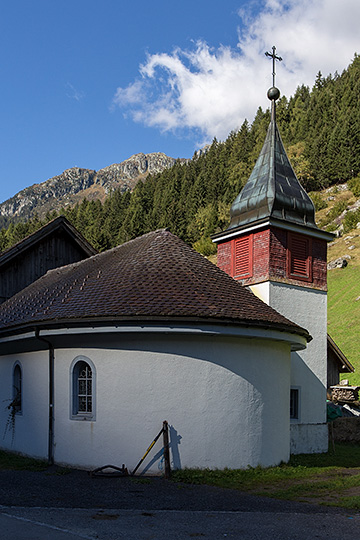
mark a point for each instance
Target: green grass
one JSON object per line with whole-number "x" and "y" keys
{"x": 332, "y": 478}
{"x": 344, "y": 314}
{"x": 343, "y": 284}
{"x": 15, "y": 462}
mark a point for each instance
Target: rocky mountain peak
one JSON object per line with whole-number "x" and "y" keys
{"x": 76, "y": 183}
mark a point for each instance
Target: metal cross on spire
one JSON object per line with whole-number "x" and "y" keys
{"x": 274, "y": 58}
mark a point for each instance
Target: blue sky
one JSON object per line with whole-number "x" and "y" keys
{"x": 88, "y": 83}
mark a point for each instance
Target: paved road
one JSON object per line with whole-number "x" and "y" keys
{"x": 50, "y": 506}
{"x": 91, "y": 524}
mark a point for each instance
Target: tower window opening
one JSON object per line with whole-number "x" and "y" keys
{"x": 243, "y": 257}
{"x": 299, "y": 257}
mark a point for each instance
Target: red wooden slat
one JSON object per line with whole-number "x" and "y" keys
{"x": 299, "y": 256}
{"x": 243, "y": 257}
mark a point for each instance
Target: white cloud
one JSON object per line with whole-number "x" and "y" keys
{"x": 130, "y": 95}
{"x": 73, "y": 93}
{"x": 212, "y": 91}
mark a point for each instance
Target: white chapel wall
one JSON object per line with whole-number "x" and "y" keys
{"x": 30, "y": 434}
{"x": 308, "y": 308}
{"x": 226, "y": 401}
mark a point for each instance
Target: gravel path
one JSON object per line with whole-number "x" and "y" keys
{"x": 76, "y": 489}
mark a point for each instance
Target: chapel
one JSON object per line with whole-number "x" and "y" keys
{"x": 96, "y": 354}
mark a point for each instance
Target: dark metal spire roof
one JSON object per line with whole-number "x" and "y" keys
{"x": 272, "y": 191}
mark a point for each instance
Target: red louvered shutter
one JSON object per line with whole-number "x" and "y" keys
{"x": 243, "y": 257}
{"x": 299, "y": 257}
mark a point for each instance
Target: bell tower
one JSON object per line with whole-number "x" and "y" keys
{"x": 274, "y": 247}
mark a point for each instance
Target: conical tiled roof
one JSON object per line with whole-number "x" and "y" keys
{"x": 156, "y": 277}
{"x": 273, "y": 190}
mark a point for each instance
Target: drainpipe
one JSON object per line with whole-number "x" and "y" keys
{"x": 51, "y": 396}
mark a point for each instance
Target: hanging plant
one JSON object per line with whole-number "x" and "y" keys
{"x": 14, "y": 407}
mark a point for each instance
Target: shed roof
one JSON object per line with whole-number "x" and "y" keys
{"x": 58, "y": 224}
{"x": 344, "y": 366}
{"x": 156, "y": 276}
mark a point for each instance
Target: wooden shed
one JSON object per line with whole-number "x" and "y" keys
{"x": 56, "y": 244}
{"x": 336, "y": 363}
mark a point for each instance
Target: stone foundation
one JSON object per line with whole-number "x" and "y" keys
{"x": 345, "y": 430}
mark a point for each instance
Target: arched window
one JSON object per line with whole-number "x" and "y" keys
{"x": 83, "y": 386}
{"x": 17, "y": 389}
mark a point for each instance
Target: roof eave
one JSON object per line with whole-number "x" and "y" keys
{"x": 98, "y": 323}
{"x": 342, "y": 360}
{"x": 248, "y": 228}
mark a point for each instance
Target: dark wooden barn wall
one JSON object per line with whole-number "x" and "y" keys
{"x": 57, "y": 250}
{"x": 333, "y": 375}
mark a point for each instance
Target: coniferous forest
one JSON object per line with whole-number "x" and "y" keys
{"x": 320, "y": 128}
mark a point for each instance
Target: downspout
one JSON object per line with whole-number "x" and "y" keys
{"x": 51, "y": 397}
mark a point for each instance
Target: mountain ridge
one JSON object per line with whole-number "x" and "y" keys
{"x": 76, "y": 183}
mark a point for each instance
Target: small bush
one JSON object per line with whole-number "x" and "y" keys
{"x": 354, "y": 186}
{"x": 338, "y": 209}
{"x": 351, "y": 219}
{"x": 335, "y": 212}
{"x": 332, "y": 227}
{"x": 205, "y": 246}
{"x": 317, "y": 200}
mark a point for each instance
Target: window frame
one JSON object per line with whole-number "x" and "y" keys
{"x": 296, "y": 417}
{"x": 75, "y": 414}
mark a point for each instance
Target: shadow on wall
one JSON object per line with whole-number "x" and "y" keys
{"x": 313, "y": 391}
{"x": 174, "y": 444}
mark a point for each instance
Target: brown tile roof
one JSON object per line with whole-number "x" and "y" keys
{"x": 156, "y": 276}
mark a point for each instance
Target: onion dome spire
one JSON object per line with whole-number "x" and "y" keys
{"x": 273, "y": 190}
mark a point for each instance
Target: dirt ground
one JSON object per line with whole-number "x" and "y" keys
{"x": 56, "y": 488}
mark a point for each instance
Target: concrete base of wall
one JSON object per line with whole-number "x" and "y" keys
{"x": 308, "y": 438}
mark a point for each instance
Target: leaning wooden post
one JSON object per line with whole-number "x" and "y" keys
{"x": 166, "y": 449}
